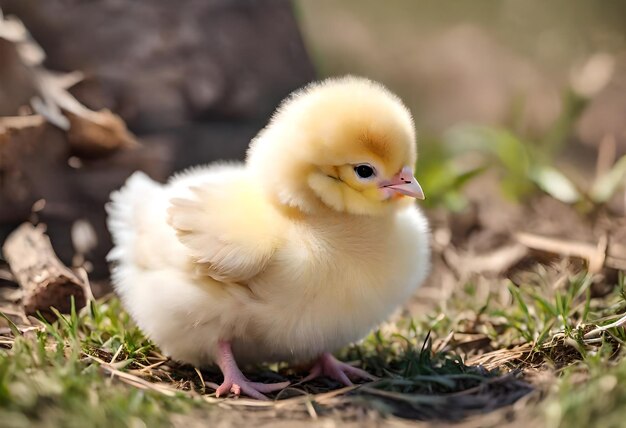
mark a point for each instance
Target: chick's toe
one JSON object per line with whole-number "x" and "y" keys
{"x": 236, "y": 382}
{"x": 329, "y": 366}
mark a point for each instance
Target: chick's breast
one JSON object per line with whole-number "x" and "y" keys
{"x": 331, "y": 282}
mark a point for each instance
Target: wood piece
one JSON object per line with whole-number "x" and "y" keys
{"x": 28, "y": 149}
{"x": 603, "y": 254}
{"x": 496, "y": 261}
{"x": 16, "y": 123}
{"x": 45, "y": 281}
{"x": 89, "y": 133}
{"x": 37, "y": 174}
{"x": 97, "y": 134}
{"x": 190, "y": 74}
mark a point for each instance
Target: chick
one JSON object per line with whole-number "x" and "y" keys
{"x": 296, "y": 253}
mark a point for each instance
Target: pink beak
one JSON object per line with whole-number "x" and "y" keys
{"x": 403, "y": 183}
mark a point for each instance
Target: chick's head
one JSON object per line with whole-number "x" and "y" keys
{"x": 343, "y": 144}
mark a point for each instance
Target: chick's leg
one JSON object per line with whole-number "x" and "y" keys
{"x": 235, "y": 381}
{"x": 327, "y": 365}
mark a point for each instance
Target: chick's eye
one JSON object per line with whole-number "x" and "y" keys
{"x": 364, "y": 171}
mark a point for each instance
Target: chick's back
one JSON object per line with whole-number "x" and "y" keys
{"x": 166, "y": 284}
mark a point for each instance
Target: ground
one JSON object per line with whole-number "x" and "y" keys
{"x": 501, "y": 335}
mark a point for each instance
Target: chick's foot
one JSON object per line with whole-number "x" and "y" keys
{"x": 329, "y": 366}
{"x": 236, "y": 382}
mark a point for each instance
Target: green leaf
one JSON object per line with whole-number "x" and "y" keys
{"x": 554, "y": 183}
{"x": 606, "y": 186}
{"x": 12, "y": 326}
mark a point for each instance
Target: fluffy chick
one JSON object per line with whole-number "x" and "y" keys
{"x": 296, "y": 253}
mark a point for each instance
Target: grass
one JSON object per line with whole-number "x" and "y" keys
{"x": 97, "y": 366}
{"x": 48, "y": 376}
{"x": 64, "y": 373}
{"x": 592, "y": 393}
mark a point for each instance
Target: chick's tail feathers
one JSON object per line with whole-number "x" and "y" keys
{"x": 136, "y": 220}
{"x": 124, "y": 212}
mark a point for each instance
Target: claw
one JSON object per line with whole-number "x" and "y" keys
{"x": 251, "y": 389}
{"x": 329, "y": 366}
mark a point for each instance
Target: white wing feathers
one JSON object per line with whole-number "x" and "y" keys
{"x": 227, "y": 228}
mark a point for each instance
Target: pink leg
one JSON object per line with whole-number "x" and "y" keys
{"x": 235, "y": 381}
{"x": 329, "y": 366}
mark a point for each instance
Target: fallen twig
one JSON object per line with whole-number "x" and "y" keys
{"x": 46, "y": 281}
{"x": 594, "y": 255}
{"x": 596, "y": 331}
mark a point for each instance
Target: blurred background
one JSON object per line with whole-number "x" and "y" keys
{"x": 488, "y": 62}
{"x": 520, "y": 106}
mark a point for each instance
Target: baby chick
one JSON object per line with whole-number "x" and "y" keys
{"x": 296, "y": 253}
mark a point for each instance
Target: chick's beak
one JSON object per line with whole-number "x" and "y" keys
{"x": 404, "y": 183}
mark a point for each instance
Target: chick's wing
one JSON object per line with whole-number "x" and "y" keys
{"x": 229, "y": 229}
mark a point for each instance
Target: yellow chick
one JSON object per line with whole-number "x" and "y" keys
{"x": 296, "y": 253}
